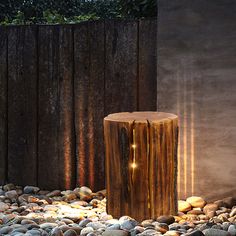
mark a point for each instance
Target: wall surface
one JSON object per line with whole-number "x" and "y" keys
{"x": 197, "y": 80}
{"x": 57, "y": 83}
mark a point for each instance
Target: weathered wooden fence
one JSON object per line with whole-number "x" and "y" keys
{"x": 56, "y": 85}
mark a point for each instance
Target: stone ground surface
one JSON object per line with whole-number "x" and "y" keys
{"x": 31, "y": 211}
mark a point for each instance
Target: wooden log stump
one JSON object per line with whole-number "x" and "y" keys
{"x": 141, "y": 164}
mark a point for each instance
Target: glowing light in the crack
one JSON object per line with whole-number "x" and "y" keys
{"x": 133, "y": 165}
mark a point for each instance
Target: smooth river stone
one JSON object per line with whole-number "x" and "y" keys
{"x": 210, "y": 209}
{"x": 3, "y": 206}
{"x": 70, "y": 232}
{"x": 196, "y": 201}
{"x": 184, "y": 206}
{"x": 115, "y": 233}
{"x": 86, "y": 230}
{"x": 195, "y": 233}
{"x": 128, "y": 224}
{"x": 96, "y": 225}
{"x": 172, "y": 233}
{"x": 12, "y": 194}
{"x": 232, "y": 230}
{"x": 150, "y": 232}
{"x": 31, "y": 189}
{"x": 166, "y": 219}
{"x": 215, "y": 232}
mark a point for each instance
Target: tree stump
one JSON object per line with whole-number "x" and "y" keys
{"x": 141, "y": 164}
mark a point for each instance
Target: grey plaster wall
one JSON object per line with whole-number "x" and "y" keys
{"x": 197, "y": 80}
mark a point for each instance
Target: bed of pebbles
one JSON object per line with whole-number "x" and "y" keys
{"x": 30, "y": 211}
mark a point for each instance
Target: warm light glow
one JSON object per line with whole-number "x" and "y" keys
{"x": 186, "y": 146}
{"x": 67, "y": 148}
{"x": 185, "y": 137}
{"x": 133, "y": 146}
{"x": 133, "y": 165}
{"x": 179, "y": 146}
{"x": 192, "y": 137}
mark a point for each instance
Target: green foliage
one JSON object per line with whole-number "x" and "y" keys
{"x": 138, "y": 8}
{"x": 72, "y": 11}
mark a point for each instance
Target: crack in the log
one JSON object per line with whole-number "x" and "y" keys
{"x": 124, "y": 149}
{"x": 176, "y": 165}
{"x": 133, "y": 155}
{"x": 149, "y": 167}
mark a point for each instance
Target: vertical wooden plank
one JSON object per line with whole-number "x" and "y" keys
{"x": 89, "y": 103}
{"x": 66, "y": 130}
{"x": 147, "y": 51}
{"x": 56, "y": 137}
{"x": 121, "y": 66}
{"x": 48, "y": 124}
{"x": 3, "y": 104}
{"x": 22, "y": 105}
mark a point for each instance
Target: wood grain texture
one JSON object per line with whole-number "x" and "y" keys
{"x": 48, "y": 124}
{"x": 121, "y": 66}
{"x": 147, "y": 72}
{"x": 56, "y": 134}
{"x": 89, "y": 103}
{"x": 22, "y": 105}
{"x": 60, "y": 83}
{"x": 66, "y": 129}
{"x": 3, "y": 104}
{"x": 141, "y": 164}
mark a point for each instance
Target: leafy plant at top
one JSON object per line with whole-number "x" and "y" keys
{"x": 72, "y": 11}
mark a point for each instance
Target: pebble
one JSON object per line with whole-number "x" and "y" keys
{"x": 3, "y": 206}
{"x": 196, "y": 201}
{"x": 48, "y": 225}
{"x": 215, "y": 232}
{"x": 8, "y": 187}
{"x": 84, "y": 222}
{"x": 56, "y": 232}
{"x": 85, "y": 193}
{"x": 30, "y": 211}
{"x": 115, "y": 233}
{"x": 54, "y": 193}
{"x": 166, "y": 219}
{"x": 95, "y": 225}
{"x": 5, "y": 229}
{"x": 232, "y": 230}
{"x": 86, "y": 230}
{"x": 70, "y": 232}
{"x": 31, "y": 189}
{"x": 12, "y": 194}
{"x": 172, "y": 233}
{"x": 112, "y": 227}
{"x": 210, "y": 209}
{"x": 128, "y": 224}
{"x": 150, "y": 232}
{"x": 184, "y": 206}
{"x": 233, "y": 212}
{"x": 195, "y": 233}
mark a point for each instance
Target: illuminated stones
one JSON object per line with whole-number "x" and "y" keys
{"x": 59, "y": 216}
{"x": 184, "y": 206}
{"x": 196, "y": 201}
{"x": 210, "y": 209}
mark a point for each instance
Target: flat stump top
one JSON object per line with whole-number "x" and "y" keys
{"x": 141, "y": 117}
